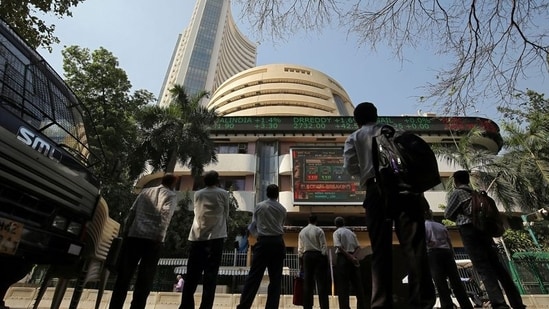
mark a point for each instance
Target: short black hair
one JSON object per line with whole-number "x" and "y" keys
{"x": 461, "y": 176}
{"x": 365, "y": 112}
{"x": 211, "y": 178}
{"x": 272, "y": 191}
{"x": 339, "y": 221}
{"x": 168, "y": 180}
{"x": 313, "y": 219}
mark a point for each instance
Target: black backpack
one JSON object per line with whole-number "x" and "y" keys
{"x": 404, "y": 161}
{"x": 485, "y": 214}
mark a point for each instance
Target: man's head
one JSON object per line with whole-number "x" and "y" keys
{"x": 272, "y": 191}
{"x": 312, "y": 219}
{"x": 169, "y": 180}
{"x": 364, "y": 113}
{"x": 211, "y": 178}
{"x": 339, "y": 221}
{"x": 461, "y": 177}
{"x": 428, "y": 214}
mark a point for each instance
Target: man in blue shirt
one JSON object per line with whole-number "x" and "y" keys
{"x": 269, "y": 251}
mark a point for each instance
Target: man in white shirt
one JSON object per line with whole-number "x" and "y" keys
{"x": 312, "y": 250}
{"x": 347, "y": 266}
{"x": 145, "y": 230}
{"x": 208, "y": 232}
{"x": 269, "y": 251}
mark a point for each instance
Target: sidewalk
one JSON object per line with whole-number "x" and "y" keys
{"x": 23, "y": 298}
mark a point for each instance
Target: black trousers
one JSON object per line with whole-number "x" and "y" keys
{"x": 405, "y": 211}
{"x": 316, "y": 269}
{"x": 144, "y": 252}
{"x": 346, "y": 275}
{"x": 485, "y": 258}
{"x": 204, "y": 256}
{"x": 443, "y": 266}
{"x": 268, "y": 253}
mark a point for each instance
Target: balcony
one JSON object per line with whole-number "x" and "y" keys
{"x": 229, "y": 164}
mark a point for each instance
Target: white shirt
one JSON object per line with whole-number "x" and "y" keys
{"x": 211, "y": 210}
{"x": 268, "y": 218}
{"x": 345, "y": 239}
{"x": 312, "y": 238}
{"x": 154, "y": 208}
{"x": 357, "y": 153}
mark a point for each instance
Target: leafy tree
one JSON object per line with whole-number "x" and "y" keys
{"x": 527, "y": 152}
{"x": 104, "y": 89}
{"x": 179, "y": 132}
{"x": 518, "y": 241}
{"x": 24, "y": 17}
{"x": 493, "y": 43}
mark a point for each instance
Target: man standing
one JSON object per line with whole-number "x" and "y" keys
{"x": 312, "y": 250}
{"x": 145, "y": 230}
{"x": 443, "y": 266}
{"x": 480, "y": 247}
{"x": 269, "y": 251}
{"x": 208, "y": 232}
{"x": 346, "y": 267}
{"x": 385, "y": 205}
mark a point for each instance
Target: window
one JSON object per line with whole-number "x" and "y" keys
{"x": 232, "y": 148}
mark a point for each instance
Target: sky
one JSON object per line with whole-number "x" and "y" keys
{"x": 142, "y": 35}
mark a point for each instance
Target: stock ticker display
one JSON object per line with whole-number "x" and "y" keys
{"x": 319, "y": 178}
{"x": 337, "y": 124}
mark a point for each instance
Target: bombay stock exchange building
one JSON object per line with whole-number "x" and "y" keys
{"x": 285, "y": 124}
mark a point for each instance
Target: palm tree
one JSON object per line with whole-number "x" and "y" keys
{"x": 486, "y": 168}
{"x": 528, "y": 156}
{"x": 179, "y": 132}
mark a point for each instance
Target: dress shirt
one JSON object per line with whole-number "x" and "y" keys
{"x": 357, "y": 153}
{"x": 345, "y": 239}
{"x": 436, "y": 235}
{"x": 268, "y": 218}
{"x": 312, "y": 238}
{"x": 153, "y": 209}
{"x": 458, "y": 208}
{"x": 211, "y": 211}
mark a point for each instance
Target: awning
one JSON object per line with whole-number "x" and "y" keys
{"x": 230, "y": 270}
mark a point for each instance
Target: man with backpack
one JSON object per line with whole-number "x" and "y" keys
{"x": 481, "y": 247}
{"x": 385, "y": 204}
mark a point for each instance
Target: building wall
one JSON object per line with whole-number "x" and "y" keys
{"x": 209, "y": 51}
{"x": 281, "y": 89}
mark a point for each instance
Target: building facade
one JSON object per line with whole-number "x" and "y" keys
{"x": 209, "y": 51}
{"x": 287, "y": 124}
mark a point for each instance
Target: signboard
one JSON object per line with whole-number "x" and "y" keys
{"x": 319, "y": 178}
{"x": 340, "y": 124}
{"x": 10, "y": 235}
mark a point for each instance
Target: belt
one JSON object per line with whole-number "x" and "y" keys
{"x": 438, "y": 249}
{"x": 268, "y": 236}
{"x": 312, "y": 251}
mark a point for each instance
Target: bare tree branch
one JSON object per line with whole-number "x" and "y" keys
{"x": 494, "y": 44}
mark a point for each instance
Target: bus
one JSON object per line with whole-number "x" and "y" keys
{"x": 47, "y": 190}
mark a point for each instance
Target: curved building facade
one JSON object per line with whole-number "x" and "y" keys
{"x": 281, "y": 89}
{"x": 209, "y": 51}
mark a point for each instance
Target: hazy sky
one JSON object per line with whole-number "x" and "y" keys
{"x": 142, "y": 35}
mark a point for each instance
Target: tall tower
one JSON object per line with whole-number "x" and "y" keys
{"x": 209, "y": 51}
